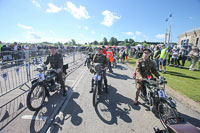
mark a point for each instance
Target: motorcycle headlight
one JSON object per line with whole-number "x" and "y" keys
{"x": 98, "y": 67}
{"x": 162, "y": 86}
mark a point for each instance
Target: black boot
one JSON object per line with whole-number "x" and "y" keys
{"x": 92, "y": 86}
{"x": 64, "y": 92}
{"x": 106, "y": 86}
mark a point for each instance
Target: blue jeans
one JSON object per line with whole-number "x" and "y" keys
{"x": 156, "y": 61}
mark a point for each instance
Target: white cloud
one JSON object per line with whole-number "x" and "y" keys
{"x": 53, "y": 8}
{"x": 138, "y": 33}
{"x": 109, "y": 18}
{"x": 78, "y": 13}
{"x": 133, "y": 37}
{"x": 128, "y": 33}
{"x": 93, "y": 32}
{"x": 160, "y": 36}
{"x": 36, "y": 3}
{"x": 85, "y": 27}
{"x": 24, "y": 27}
{"x": 35, "y": 35}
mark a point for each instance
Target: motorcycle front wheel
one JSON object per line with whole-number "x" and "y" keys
{"x": 95, "y": 93}
{"x": 165, "y": 112}
{"x": 35, "y": 97}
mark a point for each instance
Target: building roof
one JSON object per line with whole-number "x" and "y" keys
{"x": 196, "y": 29}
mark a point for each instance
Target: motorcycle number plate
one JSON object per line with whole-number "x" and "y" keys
{"x": 97, "y": 77}
{"x": 40, "y": 76}
{"x": 88, "y": 56}
{"x": 161, "y": 93}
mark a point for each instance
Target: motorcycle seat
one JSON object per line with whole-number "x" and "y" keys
{"x": 183, "y": 128}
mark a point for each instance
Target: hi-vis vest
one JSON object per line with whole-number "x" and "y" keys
{"x": 110, "y": 56}
{"x": 162, "y": 55}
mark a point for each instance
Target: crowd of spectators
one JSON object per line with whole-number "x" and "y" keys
{"x": 175, "y": 56}
{"x": 19, "y": 53}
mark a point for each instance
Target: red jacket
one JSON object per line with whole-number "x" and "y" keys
{"x": 104, "y": 52}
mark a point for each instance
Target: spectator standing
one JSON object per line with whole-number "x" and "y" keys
{"x": 26, "y": 51}
{"x": 174, "y": 56}
{"x": 163, "y": 57}
{"x": 199, "y": 61}
{"x": 194, "y": 55}
{"x": 104, "y": 50}
{"x": 110, "y": 59}
{"x": 16, "y": 54}
{"x": 0, "y": 45}
{"x": 123, "y": 54}
{"x": 156, "y": 56}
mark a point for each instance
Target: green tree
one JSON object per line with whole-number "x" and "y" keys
{"x": 115, "y": 41}
{"x": 121, "y": 43}
{"x": 73, "y": 42}
{"x": 105, "y": 42}
{"x": 95, "y": 42}
{"x": 126, "y": 41}
{"x": 111, "y": 42}
{"x": 100, "y": 43}
{"x": 131, "y": 41}
{"x": 66, "y": 43}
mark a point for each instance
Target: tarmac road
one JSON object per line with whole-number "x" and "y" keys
{"x": 115, "y": 113}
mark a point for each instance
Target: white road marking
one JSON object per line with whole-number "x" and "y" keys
{"x": 60, "y": 114}
{"x": 70, "y": 80}
{"x": 80, "y": 77}
{"x": 31, "y": 117}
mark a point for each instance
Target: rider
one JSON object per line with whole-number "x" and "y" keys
{"x": 100, "y": 58}
{"x": 88, "y": 57}
{"x": 56, "y": 62}
{"x": 144, "y": 68}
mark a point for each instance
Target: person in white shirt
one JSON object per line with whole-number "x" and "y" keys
{"x": 174, "y": 56}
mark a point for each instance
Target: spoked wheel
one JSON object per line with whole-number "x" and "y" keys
{"x": 95, "y": 94}
{"x": 88, "y": 64}
{"x": 64, "y": 77}
{"x": 165, "y": 112}
{"x": 35, "y": 97}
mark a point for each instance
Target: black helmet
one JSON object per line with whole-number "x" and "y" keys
{"x": 146, "y": 49}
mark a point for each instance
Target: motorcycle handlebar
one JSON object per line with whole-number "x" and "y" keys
{"x": 159, "y": 81}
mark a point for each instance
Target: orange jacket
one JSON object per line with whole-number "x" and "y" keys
{"x": 110, "y": 56}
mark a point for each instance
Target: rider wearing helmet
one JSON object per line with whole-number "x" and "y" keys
{"x": 56, "y": 62}
{"x": 101, "y": 58}
{"x": 144, "y": 67}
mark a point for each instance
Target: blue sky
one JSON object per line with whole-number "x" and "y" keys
{"x": 89, "y": 20}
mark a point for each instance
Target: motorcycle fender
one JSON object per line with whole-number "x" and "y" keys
{"x": 170, "y": 102}
{"x": 34, "y": 81}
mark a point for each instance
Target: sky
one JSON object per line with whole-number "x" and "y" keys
{"x": 89, "y": 20}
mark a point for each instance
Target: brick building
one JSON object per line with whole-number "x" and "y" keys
{"x": 190, "y": 37}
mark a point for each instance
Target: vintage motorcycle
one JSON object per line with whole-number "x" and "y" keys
{"x": 46, "y": 81}
{"x": 154, "y": 95}
{"x": 97, "y": 80}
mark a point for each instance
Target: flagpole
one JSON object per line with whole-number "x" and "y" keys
{"x": 167, "y": 29}
{"x": 166, "y": 33}
{"x": 170, "y": 26}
